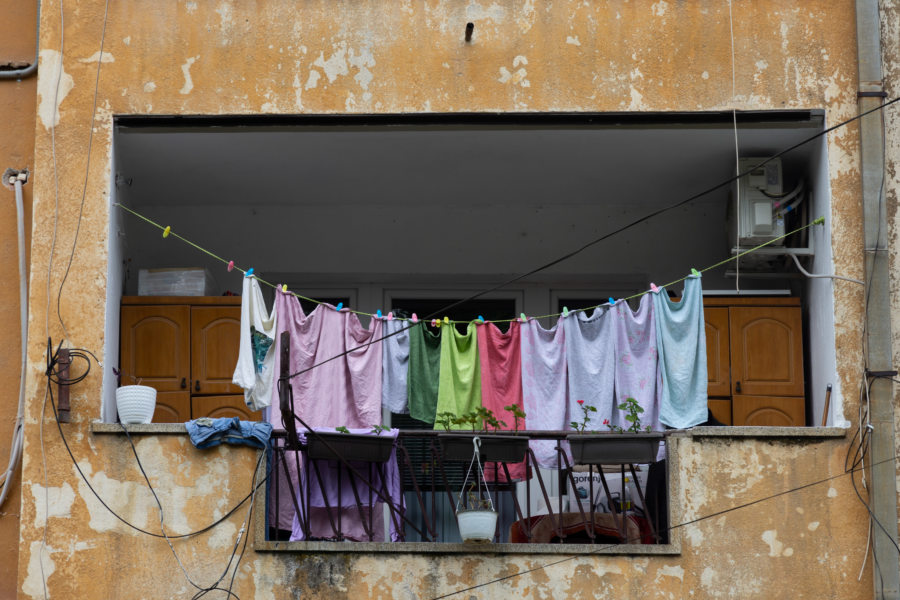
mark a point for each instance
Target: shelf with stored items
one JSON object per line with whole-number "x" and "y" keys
{"x": 754, "y": 349}
{"x": 186, "y": 347}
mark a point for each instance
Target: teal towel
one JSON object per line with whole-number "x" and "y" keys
{"x": 681, "y": 343}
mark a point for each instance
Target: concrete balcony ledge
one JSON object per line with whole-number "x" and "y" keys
{"x": 150, "y": 428}
{"x": 762, "y": 432}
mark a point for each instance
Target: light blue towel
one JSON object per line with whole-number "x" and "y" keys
{"x": 395, "y": 366}
{"x": 681, "y": 343}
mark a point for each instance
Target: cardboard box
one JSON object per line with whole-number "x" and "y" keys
{"x": 175, "y": 282}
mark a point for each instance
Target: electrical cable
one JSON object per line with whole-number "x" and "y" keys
{"x": 87, "y": 171}
{"x": 87, "y": 482}
{"x": 673, "y": 527}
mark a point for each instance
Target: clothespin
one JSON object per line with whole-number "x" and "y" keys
{"x": 446, "y": 320}
{"x": 230, "y": 266}
{"x": 612, "y": 301}
{"x": 565, "y": 311}
{"x": 695, "y": 272}
{"x": 653, "y": 288}
{"x": 435, "y": 323}
{"x": 167, "y": 231}
{"x": 249, "y": 272}
{"x": 284, "y": 288}
{"x": 415, "y": 318}
{"x": 339, "y": 306}
{"x": 480, "y": 319}
{"x": 378, "y": 314}
{"x": 390, "y": 316}
{"x": 522, "y": 317}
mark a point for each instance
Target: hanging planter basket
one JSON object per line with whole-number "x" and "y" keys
{"x": 135, "y": 404}
{"x": 349, "y": 446}
{"x": 494, "y": 448}
{"x": 475, "y": 513}
{"x": 615, "y": 448}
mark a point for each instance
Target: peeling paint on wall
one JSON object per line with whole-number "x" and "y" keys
{"x": 59, "y": 85}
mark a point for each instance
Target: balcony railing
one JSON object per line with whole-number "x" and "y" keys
{"x": 406, "y": 487}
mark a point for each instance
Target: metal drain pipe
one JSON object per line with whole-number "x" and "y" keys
{"x": 883, "y": 486}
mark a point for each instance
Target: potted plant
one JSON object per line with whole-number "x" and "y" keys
{"x": 341, "y": 443}
{"x": 477, "y": 518}
{"x": 619, "y": 446}
{"x": 494, "y": 448}
{"x": 134, "y": 403}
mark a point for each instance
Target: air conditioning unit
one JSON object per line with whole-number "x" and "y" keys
{"x": 756, "y": 194}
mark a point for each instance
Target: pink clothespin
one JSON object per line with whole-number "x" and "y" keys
{"x": 230, "y": 266}
{"x": 653, "y": 288}
{"x": 390, "y": 316}
{"x": 415, "y": 318}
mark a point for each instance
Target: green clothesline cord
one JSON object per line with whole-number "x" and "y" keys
{"x": 167, "y": 231}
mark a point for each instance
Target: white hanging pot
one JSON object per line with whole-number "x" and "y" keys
{"x": 477, "y": 525}
{"x": 135, "y": 404}
{"x": 476, "y": 517}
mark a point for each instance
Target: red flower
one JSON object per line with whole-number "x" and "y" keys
{"x": 580, "y": 401}
{"x": 606, "y": 421}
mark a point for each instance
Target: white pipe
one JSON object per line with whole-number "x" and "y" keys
{"x": 18, "y": 433}
{"x": 818, "y": 276}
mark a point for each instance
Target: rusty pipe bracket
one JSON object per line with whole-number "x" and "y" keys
{"x": 63, "y": 408}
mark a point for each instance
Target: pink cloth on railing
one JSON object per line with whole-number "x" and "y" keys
{"x": 351, "y": 523}
{"x": 544, "y": 386}
{"x": 501, "y": 381}
{"x": 342, "y": 392}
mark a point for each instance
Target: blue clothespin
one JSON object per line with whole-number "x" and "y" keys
{"x": 249, "y": 272}
{"x": 480, "y": 319}
{"x": 565, "y": 311}
{"x": 695, "y": 272}
{"x": 378, "y": 314}
{"x": 339, "y": 306}
{"x": 612, "y": 302}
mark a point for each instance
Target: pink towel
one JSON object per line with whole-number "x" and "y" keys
{"x": 501, "y": 379}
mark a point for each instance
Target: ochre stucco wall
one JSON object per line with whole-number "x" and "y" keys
{"x": 17, "y": 105}
{"x": 191, "y": 57}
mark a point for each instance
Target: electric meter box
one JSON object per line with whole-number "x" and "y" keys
{"x": 756, "y": 194}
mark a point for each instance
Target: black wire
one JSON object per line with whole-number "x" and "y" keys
{"x": 606, "y": 236}
{"x": 119, "y": 517}
{"x": 203, "y": 590}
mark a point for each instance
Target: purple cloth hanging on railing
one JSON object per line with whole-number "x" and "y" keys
{"x": 352, "y": 528}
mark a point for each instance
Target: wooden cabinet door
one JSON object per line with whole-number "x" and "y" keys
{"x": 172, "y": 407}
{"x": 766, "y": 351}
{"x": 215, "y": 341}
{"x": 718, "y": 365}
{"x": 721, "y": 409}
{"x": 223, "y": 406}
{"x": 768, "y": 411}
{"x": 155, "y": 346}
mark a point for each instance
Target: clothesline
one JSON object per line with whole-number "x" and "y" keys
{"x": 167, "y": 231}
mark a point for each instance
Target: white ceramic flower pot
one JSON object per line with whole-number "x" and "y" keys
{"x": 135, "y": 404}
{"x": 477, "y": 525}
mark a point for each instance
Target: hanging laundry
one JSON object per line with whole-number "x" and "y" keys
{"x": 342, "y": 392}
{"x": 459, "y": 390}
{"x": 500, "y": 362}
{"x": 591, "y": 363}
{"x": 681, "y": 342}
{"x": 395, "y": 366}
{"x": 637, "y": 375}
{"x": 423, "y": 376}
{"x": 544, "y": 386}
{"x": 254, "y": 371}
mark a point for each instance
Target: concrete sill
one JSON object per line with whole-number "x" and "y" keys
{"x": 765, "y": 432}
{"x": 442, "y": 548}
{"x": 151, "y": 428}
